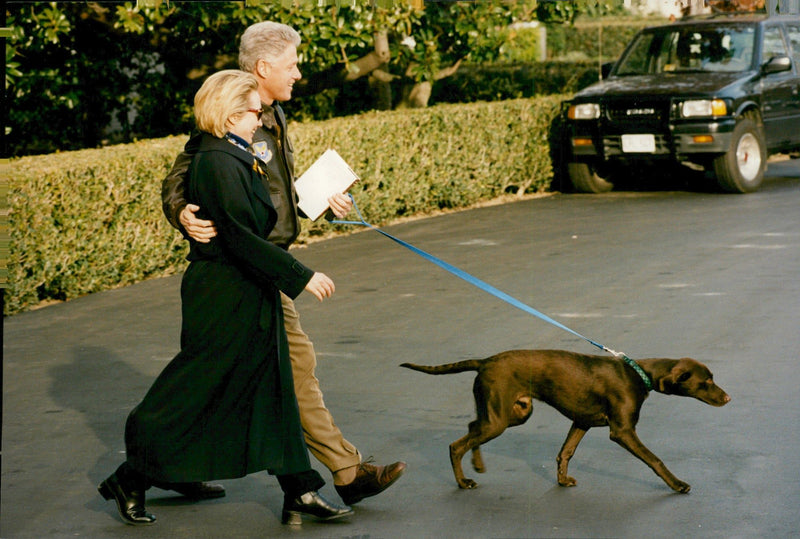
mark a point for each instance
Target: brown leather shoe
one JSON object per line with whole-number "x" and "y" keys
{"x": 370, "y": 480}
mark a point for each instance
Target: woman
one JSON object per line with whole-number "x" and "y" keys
{"x": 225, "y": 407}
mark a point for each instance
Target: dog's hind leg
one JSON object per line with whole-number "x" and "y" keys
{"x": 574, "y": 437}
{"x": 479, "y": 432}
{"x": 477, "y": 460}
{"x": 520, "y": 412}
{"x": 457, "y": 451}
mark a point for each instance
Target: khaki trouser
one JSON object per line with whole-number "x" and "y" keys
{"x": 323, "y": 437}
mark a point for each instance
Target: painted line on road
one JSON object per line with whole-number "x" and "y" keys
{"x": 754, "y": 246}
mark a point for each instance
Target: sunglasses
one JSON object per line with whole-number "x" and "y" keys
{"x": 257, "y": 112}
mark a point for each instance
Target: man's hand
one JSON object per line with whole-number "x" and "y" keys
{"x": 321, "y": 286}
{"x": 340, "y": 204}
{"x": 199, "y": 230}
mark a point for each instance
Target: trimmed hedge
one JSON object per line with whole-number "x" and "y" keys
{"x": 90, "y": 220}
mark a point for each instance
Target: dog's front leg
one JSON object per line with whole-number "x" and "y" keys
{"x": 480, "y": 432}
{"x": 628, "y": 439}
{"x": 574, "y": 437}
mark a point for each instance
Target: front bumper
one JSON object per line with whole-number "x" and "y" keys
{"x": 679, "y": 141}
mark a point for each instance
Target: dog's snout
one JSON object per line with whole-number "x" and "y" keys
{"x": 720, "y": 400}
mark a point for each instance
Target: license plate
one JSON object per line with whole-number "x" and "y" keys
{"x": 638, "y": 143}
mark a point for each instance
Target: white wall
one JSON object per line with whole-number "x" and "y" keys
{"x": 665, "y": 7}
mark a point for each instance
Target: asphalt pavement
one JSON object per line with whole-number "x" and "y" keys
{"x": 653, "y": 274}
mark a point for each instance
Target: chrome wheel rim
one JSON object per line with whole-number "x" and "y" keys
{"x": 748, "y": 157}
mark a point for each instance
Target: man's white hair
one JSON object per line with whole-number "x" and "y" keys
{"x": 265, "y": 41}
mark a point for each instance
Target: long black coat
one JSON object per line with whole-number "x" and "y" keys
{"x": 225, "y": 405}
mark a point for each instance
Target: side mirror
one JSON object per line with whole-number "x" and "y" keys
{"x": 605, "y": 69}
{"x": 777, "y": 64}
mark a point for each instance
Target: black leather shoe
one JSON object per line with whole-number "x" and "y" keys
{"x": 196, "y": 490}
{"x": 313, "y": 504}
{"x": 130, "y": 503}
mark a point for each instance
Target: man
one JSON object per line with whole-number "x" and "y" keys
{"x": 269, "y": 51}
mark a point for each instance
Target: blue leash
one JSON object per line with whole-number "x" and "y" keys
{"x": 486, "y": 287}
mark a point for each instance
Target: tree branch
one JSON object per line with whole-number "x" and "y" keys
{"x": 372, "y": 61}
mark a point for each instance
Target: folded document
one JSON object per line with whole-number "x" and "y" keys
{"x": 327, "y": 176}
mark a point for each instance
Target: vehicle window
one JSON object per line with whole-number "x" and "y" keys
{"x": 637, "y": 60}
{"x": 773, "y": 44}
{"x": 709, "y": 48}
{"x": 793, "y": 33}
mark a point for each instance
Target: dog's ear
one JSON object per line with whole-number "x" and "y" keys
{"x": 679, "y": 373}
{"x": 665, "y": 384}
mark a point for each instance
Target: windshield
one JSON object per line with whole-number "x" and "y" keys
{"x": 686, "y": 49}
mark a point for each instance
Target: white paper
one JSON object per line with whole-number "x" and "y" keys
{"x": 328, "y": 175}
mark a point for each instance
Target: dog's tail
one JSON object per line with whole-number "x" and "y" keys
{"x": 449, "y": 368}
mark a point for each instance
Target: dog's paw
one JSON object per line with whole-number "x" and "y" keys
{"x": 681, "y": 487}
{"x": 567, "y": 481}
{"x": 467, "y": 483}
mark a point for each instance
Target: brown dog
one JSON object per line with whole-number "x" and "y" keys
{"x": 592, "y": 391}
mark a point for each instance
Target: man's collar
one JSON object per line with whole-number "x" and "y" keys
{"x": 268, "y": 116}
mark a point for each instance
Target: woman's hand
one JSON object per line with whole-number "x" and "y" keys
{"x": 199, "y": 230}
{"x": 321, "y": 286}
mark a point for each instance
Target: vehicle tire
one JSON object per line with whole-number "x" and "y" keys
{"x": 584, "y": 179}
{"x": 741, "y": 168}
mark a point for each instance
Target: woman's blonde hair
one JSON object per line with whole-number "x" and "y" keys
{"x": 224, "y": 95}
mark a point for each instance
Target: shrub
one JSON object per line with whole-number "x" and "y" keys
{"x": 90, "y": 220}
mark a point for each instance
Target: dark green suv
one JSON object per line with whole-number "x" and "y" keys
{"x": 719, "y": 92}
